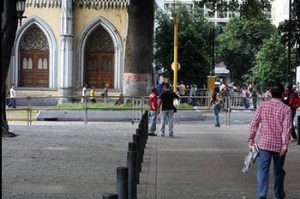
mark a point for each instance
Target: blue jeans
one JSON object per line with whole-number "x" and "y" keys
{"x": 264, "y": 162}
{"x": 152, "y": 121}
{"x": 216, "y": 109}
{"x": 167, "y": 115}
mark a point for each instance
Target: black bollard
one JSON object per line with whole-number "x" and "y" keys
{"x": 122, "y": 182}
{"x": 110, "y": 196}
{"x": 132, "y": 171}
{"x": 132, "y": 146}
{"x": 136, "y": 139}
{"x": 298, "y": 130}
{"x": 141, "y": 144}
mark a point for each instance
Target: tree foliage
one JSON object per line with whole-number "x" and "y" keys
{"x": 193, "y": 41}
{"x": 238, "y": 44}
{"x": 270, "y": 62}
{"x": 290, "y": 29}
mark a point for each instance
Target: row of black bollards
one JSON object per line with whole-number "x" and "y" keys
{"x": 128, "y": 177}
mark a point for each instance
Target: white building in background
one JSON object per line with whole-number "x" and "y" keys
{"x": 218, "y": 17}
{"x": 280, "y": 11}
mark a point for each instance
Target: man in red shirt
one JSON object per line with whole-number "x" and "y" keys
{"x": 274, "y": 119}
{"x": 153, "y": 111}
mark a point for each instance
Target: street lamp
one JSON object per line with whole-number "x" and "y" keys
{"x": 20, "y": 10}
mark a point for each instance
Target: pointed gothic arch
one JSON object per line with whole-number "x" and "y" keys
{"x": 38, "y": 54}
{"x": 104, "y": 58}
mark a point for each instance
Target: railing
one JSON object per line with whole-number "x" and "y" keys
{"x": 130, "y": 107}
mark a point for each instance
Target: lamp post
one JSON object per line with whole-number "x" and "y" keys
{"x": 289, "y": 46}
{"x": 175, "y": 69}
{"x": 20, "y": 10}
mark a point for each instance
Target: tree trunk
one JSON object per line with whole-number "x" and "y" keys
{"x": 9, "y": 27}
{"x": 139, "y": 48}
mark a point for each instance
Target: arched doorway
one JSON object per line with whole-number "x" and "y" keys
{"x": 99, "y": 59}
{"x": 34, "y": 59}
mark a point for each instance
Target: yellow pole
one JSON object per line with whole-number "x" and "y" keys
{"x": 175, "y": 52}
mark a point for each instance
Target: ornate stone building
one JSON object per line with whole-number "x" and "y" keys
{"x": 62, "y": 45}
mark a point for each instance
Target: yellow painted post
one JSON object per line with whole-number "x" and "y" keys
{"x": 175, "y": 52}
{"x": 211, "y": 83}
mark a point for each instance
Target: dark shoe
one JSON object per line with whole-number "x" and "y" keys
{"x": 152, "y": 134}
{"x": 261, "y": 197}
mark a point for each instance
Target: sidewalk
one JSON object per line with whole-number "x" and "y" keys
{"x": 60, "y": 160}
{"x": 204, "y": 162}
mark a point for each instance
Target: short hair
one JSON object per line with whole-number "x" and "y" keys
{"x": 277, "y": 91}
{"x": 154, "y": 89}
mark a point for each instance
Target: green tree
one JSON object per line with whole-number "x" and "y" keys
{"x": 193, "y": 51}
{"x": 290, "y": 29}
{"x": 270, "y": 62}
{"x": 238, "y": 44}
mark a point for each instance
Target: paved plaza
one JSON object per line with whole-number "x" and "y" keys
{"x": 70, "y": 160}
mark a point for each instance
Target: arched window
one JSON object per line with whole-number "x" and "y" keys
{"x": 34, "y": 59}
{"x": 99, "y": 59}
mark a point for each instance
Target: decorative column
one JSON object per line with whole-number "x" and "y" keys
{"x": 66, "y": 48}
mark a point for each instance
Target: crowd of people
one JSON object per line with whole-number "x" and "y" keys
{"x": 273, "y": 120}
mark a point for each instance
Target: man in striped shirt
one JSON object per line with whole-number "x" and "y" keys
{"x": 274, "y": 119}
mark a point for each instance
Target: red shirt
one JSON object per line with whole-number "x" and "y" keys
{"x": 152, "y": 103}
{"x": 276, "y": 122}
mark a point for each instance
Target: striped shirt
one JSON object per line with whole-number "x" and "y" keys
{"x": 276, "y": 122}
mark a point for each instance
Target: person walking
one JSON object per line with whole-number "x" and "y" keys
{"x": 274, "y": 119}
{"x": 167, "y": 109}
{"x": 153, "y": 111}
{"x": 291, "y": 99}
{"x": 215, "y": 103}
{"x": 92, "y": 95}
{"x": 12, "y": 95}
{"x": 83, "y": 94}
{"x": 105, "y": 93}
{"x": 245, "y": 95}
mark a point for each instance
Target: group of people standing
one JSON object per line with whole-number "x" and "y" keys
{"x": 164, "y": 101}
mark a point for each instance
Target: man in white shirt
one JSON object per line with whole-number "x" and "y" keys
{"x": 12, "y": 95}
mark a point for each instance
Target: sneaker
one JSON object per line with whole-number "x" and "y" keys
{"x": 152, "y": 134}
{"x": 162, "y": 135}
{"x": 171, "y": 135}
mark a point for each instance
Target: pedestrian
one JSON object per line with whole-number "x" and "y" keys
{"x": 83, "y": 94}
{"x": 215, "y": 103}
{"x": 292, "y": 99}
{"x": 92, "y": 95}
{"x": 167, "y": 109}
{"x": 105, "y": 93}
{"x": 245, "y": 95}
{"x": 254, "y": 95}
{"x": 153, "y": 111}
{"x": 12, "y": 95}
{"x": 273, "y": 117}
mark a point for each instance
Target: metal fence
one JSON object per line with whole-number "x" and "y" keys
{"x": 29, "y": 108}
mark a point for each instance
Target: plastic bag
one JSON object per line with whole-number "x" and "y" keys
{"x": 250, "y": 158}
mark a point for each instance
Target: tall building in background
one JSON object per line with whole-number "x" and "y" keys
{"x": 280, "y": 11}
{"x": 218, "y": 17}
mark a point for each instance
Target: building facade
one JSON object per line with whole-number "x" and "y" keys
{"x": 62, "y": 46}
